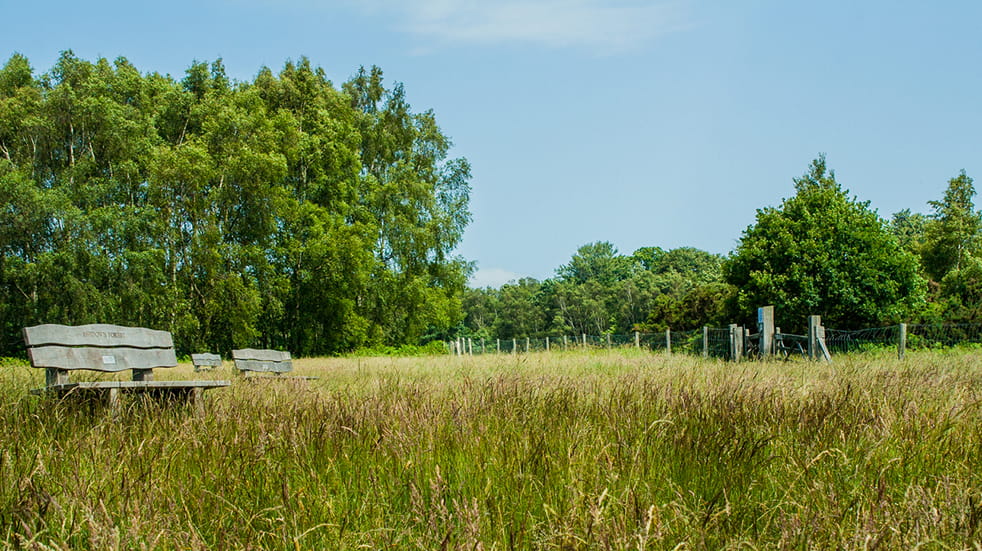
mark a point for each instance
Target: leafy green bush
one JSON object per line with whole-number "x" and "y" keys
{"x": 433, "y": 348}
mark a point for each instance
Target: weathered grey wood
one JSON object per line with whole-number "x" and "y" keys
{"x": 142, "y": 375}
{"x": 191, "y": 390}
{"x": 99, "y": 335}
{"x": 265, "y": 361}
{"x": 55, "y": 376}
{"x": 110, "y": 360}
{"x": 814, "y": 322}
{"x": 765, "y": 326}
{"x": 820, "y": 336}
{"x": 61, "y": 349}
{"x": 139, "y": 385}
{"x": 197, "y": 398}
{"x": 263, "y": 366}
{"x": 263, "y": 355}
{"x": 205, "y": 360}
{"x": 705, "y": 341}
{"x": 737, "y": 336}
{"x": 902, "y": 341}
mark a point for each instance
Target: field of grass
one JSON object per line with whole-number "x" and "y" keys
{"x": 609, "y": 450}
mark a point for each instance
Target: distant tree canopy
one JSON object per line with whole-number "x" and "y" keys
{"x": 281, "y": 212}
{"x": 286, "y": 212}
{"x": 603, "y": 292}
{"x": 823, "y": 253}
{"x": 819, "y": 252}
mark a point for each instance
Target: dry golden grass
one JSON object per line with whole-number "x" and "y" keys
{"x": 603, "y": 450}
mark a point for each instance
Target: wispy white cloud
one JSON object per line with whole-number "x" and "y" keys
{"x": 602, "y": 26}
{"x": 492, "y": 277}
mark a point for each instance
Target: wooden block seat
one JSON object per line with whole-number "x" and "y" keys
{"x": 62, "y": 349}
{"x": 269, "y": 364}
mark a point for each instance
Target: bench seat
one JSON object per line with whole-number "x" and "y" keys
{"x": 63, "y": 349}
{"x": 134, "y": 385}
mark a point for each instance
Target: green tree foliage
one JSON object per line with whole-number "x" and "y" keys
{"x": 952, "y": 256}
{"x": 519, "y": 310}
{"x": 601, "y": 291}
{"x": 417, "y": 203}
{"x": 951, "y": 233}
{"x": 279, "y": 212}
{"x": 822, "y": 253}
{"x": 692, "y": 264}
{"x": 598, "y": 262}
{"x": 908, "y": 228}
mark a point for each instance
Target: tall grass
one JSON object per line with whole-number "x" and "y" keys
{"x": 545, "y": 451}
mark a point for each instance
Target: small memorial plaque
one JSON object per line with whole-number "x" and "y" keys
{"x": 109, "y": 360}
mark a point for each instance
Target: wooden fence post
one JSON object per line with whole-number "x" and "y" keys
{"x": 902, "y": 341}
{"x": 820, "y": 338}
{"x": 547, "y": 344}
{"x": 765, "y": 326}
{"x": 584, "y": 340}
{"x": 741, "y": 340}
{"x": 705, "y": 341}
{"x": 745, "y": 343}
{"x": 608, "y": 341}
{"x": 565, "y": 343}
{"x": 813, "y": 324}
{"x": 735, "y": 342}
{"x": 637, "y": 340}
{"x": 514, "y": 346}
{"x": 668, "y": 341}
{"x": 527, "y": 350}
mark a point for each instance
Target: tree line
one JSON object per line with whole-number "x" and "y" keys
{"x": 283, "y": 212}
{"x": 819, "y": 252}
{"x": 287, "y": 212}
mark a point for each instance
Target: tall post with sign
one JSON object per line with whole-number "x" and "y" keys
{"x": 765, "y": 326}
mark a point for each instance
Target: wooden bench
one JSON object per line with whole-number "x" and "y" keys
{"x": 274, "y": 362}
{"x": 205, "y": 361}
{"x": 61, "y": 349}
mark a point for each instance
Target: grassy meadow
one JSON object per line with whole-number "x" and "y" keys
{"x": 602, "y": 450}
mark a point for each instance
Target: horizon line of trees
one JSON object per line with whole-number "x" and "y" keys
{"x": 282, "y": 212}
{"x": 286, "y": 212}
{"x": 819, "y": 252}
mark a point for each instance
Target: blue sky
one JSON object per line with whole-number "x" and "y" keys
{"x": 642, "y": 123}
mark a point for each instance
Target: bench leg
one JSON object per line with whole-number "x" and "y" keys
{"x": 114, "y": 401}
{"x": 197, "y": 398}
{"x": 54, "y": 376}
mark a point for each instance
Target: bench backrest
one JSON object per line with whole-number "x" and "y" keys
{"x": 268, "y": 361}
{"x": 98, "y": 347}
{"x": 205, "y": 360}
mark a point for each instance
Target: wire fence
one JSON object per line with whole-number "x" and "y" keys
{"x": 918, "y": 336}
{"x": 709, "y": 342}
{"x": 718, "y": 342}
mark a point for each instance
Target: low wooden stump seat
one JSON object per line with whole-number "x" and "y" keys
{"x": 61, "y": 349}
{"x": 272, "y": 364}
